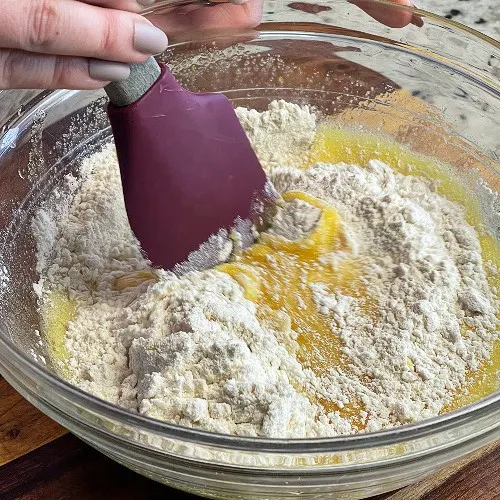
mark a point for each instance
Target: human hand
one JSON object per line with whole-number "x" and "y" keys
{"x": 183, "y": 21}
{"x": 247, "y": 14}
{"x": 85, "y": 44}
{"x": 394, "y": 17}
{"x": 73, "y": 44}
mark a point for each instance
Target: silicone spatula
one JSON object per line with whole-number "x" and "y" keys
{"x": 187, "y": 167}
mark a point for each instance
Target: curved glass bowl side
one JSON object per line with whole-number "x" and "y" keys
{"x": 228, "y": 466}
{"x": 238, "y": 474}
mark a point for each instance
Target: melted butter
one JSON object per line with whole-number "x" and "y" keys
{"x": 276, "y": 274}
{"x": 134, "y": 279}
{"x": 56, "y": 316}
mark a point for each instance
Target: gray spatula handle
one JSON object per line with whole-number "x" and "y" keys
{"x": 141, "y": 79}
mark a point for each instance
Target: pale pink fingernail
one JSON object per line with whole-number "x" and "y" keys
{"x": 149, "y": 40}
{"x": 108, "y": 71}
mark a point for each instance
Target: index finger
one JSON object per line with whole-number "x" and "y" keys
{"x": 69, "y": 27}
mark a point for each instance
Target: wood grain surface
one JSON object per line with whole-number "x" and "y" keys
{"x": 41, "y": 461}
{"x": 22, "y": 427}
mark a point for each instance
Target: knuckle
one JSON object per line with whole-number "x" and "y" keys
{"x": 8, "y": 68}
{"x": 43, "y": 23}
{"x": 110, "y": 32}
{"x": 59, "y": 74}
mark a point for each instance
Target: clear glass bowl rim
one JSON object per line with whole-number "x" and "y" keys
{"x": 450, "y": 23}
{"x": 396, "y": 435}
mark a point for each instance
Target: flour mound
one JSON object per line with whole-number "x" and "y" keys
{"x": 191, "y": 349}
{"x": 281, "y": 135}
{"x": 423, "y": 271}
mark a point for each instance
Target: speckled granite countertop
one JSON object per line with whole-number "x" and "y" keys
{"x": 482, "y": 15}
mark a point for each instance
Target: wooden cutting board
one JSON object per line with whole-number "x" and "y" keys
{"x": 40, "y": 460}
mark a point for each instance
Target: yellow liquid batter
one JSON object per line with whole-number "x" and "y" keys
{"x": 56, "y": 315}
{"x": 276, "y": 273}
{"x": 334, "y": 145}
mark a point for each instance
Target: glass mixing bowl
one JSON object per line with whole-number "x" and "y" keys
{"x": 432, "y": 86}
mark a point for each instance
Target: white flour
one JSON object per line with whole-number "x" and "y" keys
{"x": 191, "y": 350}
{"x": 425, "y": 273}
{"x": 281, "y": 135}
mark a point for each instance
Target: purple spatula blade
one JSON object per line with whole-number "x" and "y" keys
{"x": 187, "y": 167}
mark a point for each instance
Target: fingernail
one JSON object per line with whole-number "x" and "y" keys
{"x": 238, "y": 2}
{"x": 417, "y": 21}
{"x": 108, "y": 71}
{"x": 146, "y": 3}
{"x": 149, "y": 40}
